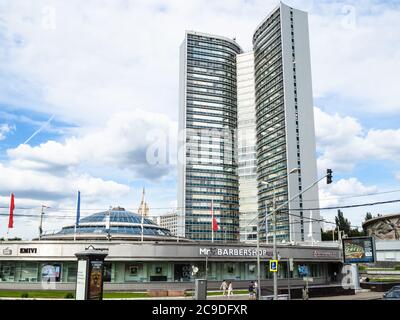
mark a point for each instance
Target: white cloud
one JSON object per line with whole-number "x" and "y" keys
{"x": 45, "y": 186}
{"x": 346, "y": 192}
{"x": 5, "y": 129}
{"x": 342, "y": 142}
{"x": 124, "y": 142}
{"x": 355, "y": 53}
{"x": 84, "y": 68}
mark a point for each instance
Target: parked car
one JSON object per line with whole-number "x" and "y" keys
{"x": 392, "y": 294}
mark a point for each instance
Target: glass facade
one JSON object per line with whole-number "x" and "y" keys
{"x": 122, "y": 222}
{"x": 210, "y": 122}
{"x": 271, "y": 125}
{"x": 141, "y": 271}
{"x": 247, "y": 156}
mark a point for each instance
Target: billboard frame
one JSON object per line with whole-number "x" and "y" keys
{"x": 357, "y": 261}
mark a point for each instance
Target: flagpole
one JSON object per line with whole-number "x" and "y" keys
{"x": 78, "y": 213}
{"x": 11, "y": 215}
{"x": 212, "y": 221}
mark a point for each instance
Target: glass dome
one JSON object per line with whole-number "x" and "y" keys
{"x": 123, "y": 225}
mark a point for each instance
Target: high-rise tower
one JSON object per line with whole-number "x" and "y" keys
{"x": 285, "y": 122}
{"x": 207, "y": 150}
{"x": 247, "y": 133}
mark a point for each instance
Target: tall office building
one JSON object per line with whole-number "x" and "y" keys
{"x": 285, "y": 122}
{"x": 247, "y": 157}
{"x": 266, "y": 96}
{"x": 208, "y": 177}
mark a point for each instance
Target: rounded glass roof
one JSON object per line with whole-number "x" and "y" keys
{"x": 116, "y": 216}
{"x": 122, "y": 223}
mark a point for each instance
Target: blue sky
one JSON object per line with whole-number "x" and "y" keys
{"x": 107, "y": 75}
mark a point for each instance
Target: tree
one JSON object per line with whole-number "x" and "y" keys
{"x": 326, "y": 236}
{"x": 368, "y": 216}
{"x": 342, "y": 223}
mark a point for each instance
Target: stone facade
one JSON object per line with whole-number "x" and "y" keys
{"x": 384, "y": 227}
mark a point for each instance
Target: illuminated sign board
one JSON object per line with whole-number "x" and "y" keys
{"x": 358, "y": 250}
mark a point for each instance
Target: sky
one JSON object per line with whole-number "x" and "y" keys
{"x": 89, "y": 92}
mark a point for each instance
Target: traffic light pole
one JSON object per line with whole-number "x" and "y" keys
{"x": 275, "y": 209}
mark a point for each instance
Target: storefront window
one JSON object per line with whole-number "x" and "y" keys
{"x": 183, "y": 272}
{"x": 133, "y": 271}
{"x": 69, "y": 272}
{"x": 50, "y": 272}
{"x": 26, "y": 272}
{"x": 7, "y": 271}
{"x": 107, "y": 272}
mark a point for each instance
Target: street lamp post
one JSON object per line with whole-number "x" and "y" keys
{"x": 275, "y": 209}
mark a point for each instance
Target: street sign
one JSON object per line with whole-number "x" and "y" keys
{"x": 273, "y": 265}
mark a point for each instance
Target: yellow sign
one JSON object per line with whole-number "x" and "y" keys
{"x": 273, "y": 265}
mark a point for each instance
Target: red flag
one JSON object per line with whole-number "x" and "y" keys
{"x": 215, "y": 225}
{"x": 11, "y": 218}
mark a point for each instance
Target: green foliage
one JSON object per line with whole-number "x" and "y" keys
{"x": 397, "y": 267}
{"x": 342, "y": 223}
{"x": 24, "y": 295}
{"x": 69, "y": 295}
{"x": 326, "y": 236}
{"x": 368, "y": 216}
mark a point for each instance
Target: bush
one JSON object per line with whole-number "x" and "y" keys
{"x": 25, "y": 295}
{"x": 397, "y": 268}
{"x": 69, "y": 295}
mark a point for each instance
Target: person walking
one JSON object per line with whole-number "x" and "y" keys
{"x": 230, "y": 290}
{"x": 251, "y": 291}
{"x": 305, "y": 293}
{"x": 256, "y": 290}
{"x": 223, "y": 287}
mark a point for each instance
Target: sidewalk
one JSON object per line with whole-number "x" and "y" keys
{"x": 357, "y": 296}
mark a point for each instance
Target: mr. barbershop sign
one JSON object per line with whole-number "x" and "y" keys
{"x": 235, "y": 252}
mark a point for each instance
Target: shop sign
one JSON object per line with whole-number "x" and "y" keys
{"x": 327, "y": 254}
{"x": 28, "y": 250}
{"x": 7, "y": 252}
{"x": 233, "y": 252}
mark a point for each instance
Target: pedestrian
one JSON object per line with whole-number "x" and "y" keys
{"x": 256, "y": 290}
{"x": 251, "y": 291}
{"x": 223, "y": 287}
{"x": 230, "y": 290}
{"x": 305, "y": 293}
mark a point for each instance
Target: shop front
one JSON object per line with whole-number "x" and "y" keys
{"x": 130, "y": 266}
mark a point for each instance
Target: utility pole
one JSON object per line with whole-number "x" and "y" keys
{"x": 275, "y": 253}
{"x": 41, "y": 221}
{"x": 258, "y": 262}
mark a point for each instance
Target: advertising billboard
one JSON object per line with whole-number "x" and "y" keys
{"x": 358, "y": 250}
{"x": 95, "y": 291}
